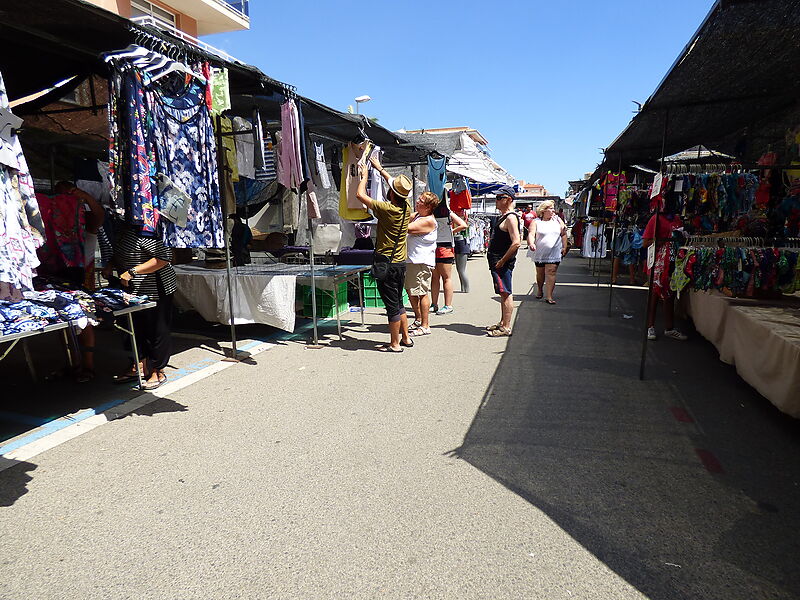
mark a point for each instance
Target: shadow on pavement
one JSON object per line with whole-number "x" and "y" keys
{"x": 687, "y": 484}
{"x": 14, "y": 479}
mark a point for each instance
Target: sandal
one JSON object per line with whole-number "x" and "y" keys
{"x": 408, "y": 344}
{"x": 550, "y": 301}
{"x": 539, "y": 296}
{"x": 415, "y": 325}
{"x": 419, "y": 331}
{"x": 388, "y": 348}
{"x": 152, "y": 385}
{"x": 499, "y": 332}
{"x": 493, "y": 327}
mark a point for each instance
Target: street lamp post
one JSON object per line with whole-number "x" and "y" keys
{"x": 361, "y": 99}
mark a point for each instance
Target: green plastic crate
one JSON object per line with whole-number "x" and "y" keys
{"x": 325, "y": 305}
{"x": 372, "y": 299}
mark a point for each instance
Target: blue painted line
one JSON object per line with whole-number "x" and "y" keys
{"x": 50, "y": 427}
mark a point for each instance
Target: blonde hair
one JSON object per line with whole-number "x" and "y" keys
{"x": 544, "y": 206}
{"x": 429, "y": 199}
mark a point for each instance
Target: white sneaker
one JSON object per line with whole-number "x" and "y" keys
{"x": 445, "y": 310}
{"x": 651, "y": 333}
{"x": 675, "y": 335}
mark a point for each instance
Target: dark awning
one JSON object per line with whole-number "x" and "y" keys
{"x": 47, "y": 41}
{"x": 734, "y": 88}
{"x": 334, "y": 125}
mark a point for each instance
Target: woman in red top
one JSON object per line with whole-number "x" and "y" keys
{"x": 661, "y": 236}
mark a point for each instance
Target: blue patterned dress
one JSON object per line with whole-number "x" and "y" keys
{"x": 187, "y": 154}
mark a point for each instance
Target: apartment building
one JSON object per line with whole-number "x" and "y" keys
{"x": 193, "y": 18}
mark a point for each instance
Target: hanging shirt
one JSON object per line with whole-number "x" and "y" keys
{"x": 220, "y": 91}
{"x": 290, "y": 173}
{"x": 460, "y": 200}
{"x": 64, "y": 220}
{"x": 349, "y": 186}
{"x": 437, "y": 176}
{"x": 245, "y": 152}
{"x": 319, "y": 170}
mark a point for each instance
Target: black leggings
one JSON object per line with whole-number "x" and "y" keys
{"x": 153, "y": 336}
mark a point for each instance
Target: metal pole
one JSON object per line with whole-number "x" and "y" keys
{"x": 221, "y": 167}
{"x": 614, "y": 243}
{"x": 314, "y": 283}
{"x": 655, "y": 243}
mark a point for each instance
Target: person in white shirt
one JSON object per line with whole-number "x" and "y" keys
{"x": 422, "y": 234}
{"x": 547, "y": 238}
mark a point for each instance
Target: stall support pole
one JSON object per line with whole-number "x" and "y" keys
{"x": 315, "y": 345}
{"x": 655, "y": 243}
{"x": 222, "y": 165}
{"x": 614, "y": 244}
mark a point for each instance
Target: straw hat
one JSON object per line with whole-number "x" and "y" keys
{"x": 401, "y": 185}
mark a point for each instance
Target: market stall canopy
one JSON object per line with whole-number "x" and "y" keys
{"x": 45, "y": 42}
{"x": 329, "y": 123}
{"x": 465, "y": 158}
{"x": 734, "y": 87}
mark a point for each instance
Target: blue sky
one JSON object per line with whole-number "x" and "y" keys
{"x": 547, "y": 83}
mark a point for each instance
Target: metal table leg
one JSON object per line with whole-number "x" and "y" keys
{"x": 29, "y": 359}
{"x": 135, "y": 350}
{"x": 336, "y": 308}
{"x": 131, "y": 332}
{"x": 361, "y": 296}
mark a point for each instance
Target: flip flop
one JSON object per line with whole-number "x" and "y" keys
{"x": 154, "y": 385}
{"x": 550, "y": 301}
{"x": 388, "y": 348}
{"x": 409, "y": 344}
{"x": 540, "y": 296}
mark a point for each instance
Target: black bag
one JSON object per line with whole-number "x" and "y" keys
{"x": 380, "y": 264}
{"x": 380, "y": 268}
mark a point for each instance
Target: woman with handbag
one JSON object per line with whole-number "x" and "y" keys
{"x": 389, "y": 261}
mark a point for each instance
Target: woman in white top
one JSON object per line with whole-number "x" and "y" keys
{"x": 422, "y": 234}
{"x": 547, "y": 237}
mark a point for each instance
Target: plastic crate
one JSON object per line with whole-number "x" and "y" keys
{"x": 372, "y": 299}
{"x": 325, "y": 305}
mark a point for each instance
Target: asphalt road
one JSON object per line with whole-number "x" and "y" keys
{"x": 537, "y": 466}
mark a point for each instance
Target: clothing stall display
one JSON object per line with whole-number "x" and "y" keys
{"x": 594, "y": 240}
{"x": 460, "y": 197}
{"x": 22, "y": 230}
{"x": 160, "y": 126}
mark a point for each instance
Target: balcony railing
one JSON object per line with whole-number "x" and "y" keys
{"x": 240, "y": 6}
{"x": 152, "y": 22}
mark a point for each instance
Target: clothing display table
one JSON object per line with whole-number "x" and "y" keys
{"x": 262, "y": 293}
{"x": 15, "y": 338}
{"x": 760, "y": 338}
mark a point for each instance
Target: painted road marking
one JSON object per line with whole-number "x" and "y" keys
{"x": 710, "y": 462}
{"x": 58, "y": 431}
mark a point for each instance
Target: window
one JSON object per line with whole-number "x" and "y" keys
{"x": 143, "y": 8}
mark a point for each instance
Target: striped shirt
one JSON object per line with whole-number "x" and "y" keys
{"x": 133, "y": 250}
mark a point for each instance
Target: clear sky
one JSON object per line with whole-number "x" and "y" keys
{"x": 547, "y": 82}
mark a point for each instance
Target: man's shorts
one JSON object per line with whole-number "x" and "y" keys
{"x": 418, "y": 279}
{"x": 502, "y": 280}
{"x": 391, "y": 291}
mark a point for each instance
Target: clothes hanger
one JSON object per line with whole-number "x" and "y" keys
{"x": 129, "y": 52}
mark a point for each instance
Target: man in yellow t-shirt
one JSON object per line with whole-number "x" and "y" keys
{"x": 389, "y": 261}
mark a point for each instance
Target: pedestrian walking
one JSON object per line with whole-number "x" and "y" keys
{"x": 548, "y": 240}
{"x": 389, "y": 259}
{"x": 502, "y": 256}
{"x": 421, "y": 261}
{"x": 449, "y": 225}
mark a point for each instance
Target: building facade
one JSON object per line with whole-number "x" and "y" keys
{"x": 193, "y": 18}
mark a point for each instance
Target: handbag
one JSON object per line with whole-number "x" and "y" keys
{"x": 380, "y": 264}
